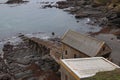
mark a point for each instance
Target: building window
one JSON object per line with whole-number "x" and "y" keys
{"x": 66, "y": 77}
{"x": 75, "y": 56}
{"x": 66, "y": 52}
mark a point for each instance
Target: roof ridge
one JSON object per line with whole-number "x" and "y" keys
{"x": 93, "y": 38}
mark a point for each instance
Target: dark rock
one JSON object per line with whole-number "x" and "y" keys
{"x": 5, "y": 77}
{"x": 74, "y": 10}
{"x": 111, "y": 15}
{"x": 7, "y": 49}
{"x": 96, "y": 5}
{"x": 21, "y": 35}
{"x": 103, "y": 21}
{"x": 62, "y": 4}
{"x": 32, "y": 78}
{"x": 77, "y": 21}
{"x": 53, "y": 33}
{"x": 113, "y": 18}
{"x": 15, "y": 1}
{"x": 47, "y": 6}
{"x": 81, "y": 15}
{"x": 19, "y": 58}
{"x": 23, "y": 74}
{"x": 7, "y": 46}
{"x": 118, "y": 37}
{"x": 115, "y": 22}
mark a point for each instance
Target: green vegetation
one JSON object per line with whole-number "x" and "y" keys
{"x": 110, "y": 4}
{"x": 110, "y": 75}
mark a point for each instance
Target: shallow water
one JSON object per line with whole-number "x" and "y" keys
{"x": 30, "y": 18}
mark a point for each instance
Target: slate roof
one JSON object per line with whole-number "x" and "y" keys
{"x": 85, "y": 44}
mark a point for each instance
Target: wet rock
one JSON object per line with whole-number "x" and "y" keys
{"x": 103, "y": 21}
{"x": 82, "y": 2}
{"x": 21, "y": 56}
{"x": 62, "y": 4}
{"x": 15, "y": 1}
{"x": 116, "y": 22}
{"x": 81, "y": 15}
{"x": 97, "y": 3}
{"x": 3, "y": 66}
{"x": 21, "y": 35}
{"x": 73, "y": 10}
{"x": 111, "y": 15}
{"x": 48, "y": 64}
{"x": 23, "y": 74}
{"x": 44, "y": 2}
{"x": 8, "y": 47}
{"x": 16, "y": 68}
{"x": 117, "y": 8}
{"x": 118, "y": 37}
{"x": 53, "y": 33}
{"x": 24, "y": 61}
{"x": 47, "y": 6}
{"x": 113, "y": 18}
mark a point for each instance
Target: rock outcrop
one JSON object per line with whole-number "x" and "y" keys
{"x": 15, "y": 1}
{"x": 21, "y": 62}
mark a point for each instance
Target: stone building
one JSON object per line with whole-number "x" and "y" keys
{"x": 76, "y": 45}
{"x": 81, "y": 68}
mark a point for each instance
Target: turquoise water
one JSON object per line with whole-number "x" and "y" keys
{"x": 30, "y": 18}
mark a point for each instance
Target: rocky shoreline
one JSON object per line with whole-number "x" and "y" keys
{"x": 106, "y": 14}
{"x": 20, "y": 62}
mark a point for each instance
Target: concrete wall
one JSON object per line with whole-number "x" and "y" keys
{"x": 69, "y": 52}
{"x": 65, "y": 73}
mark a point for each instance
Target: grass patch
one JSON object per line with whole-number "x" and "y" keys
{"x": 109, "y": 75}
